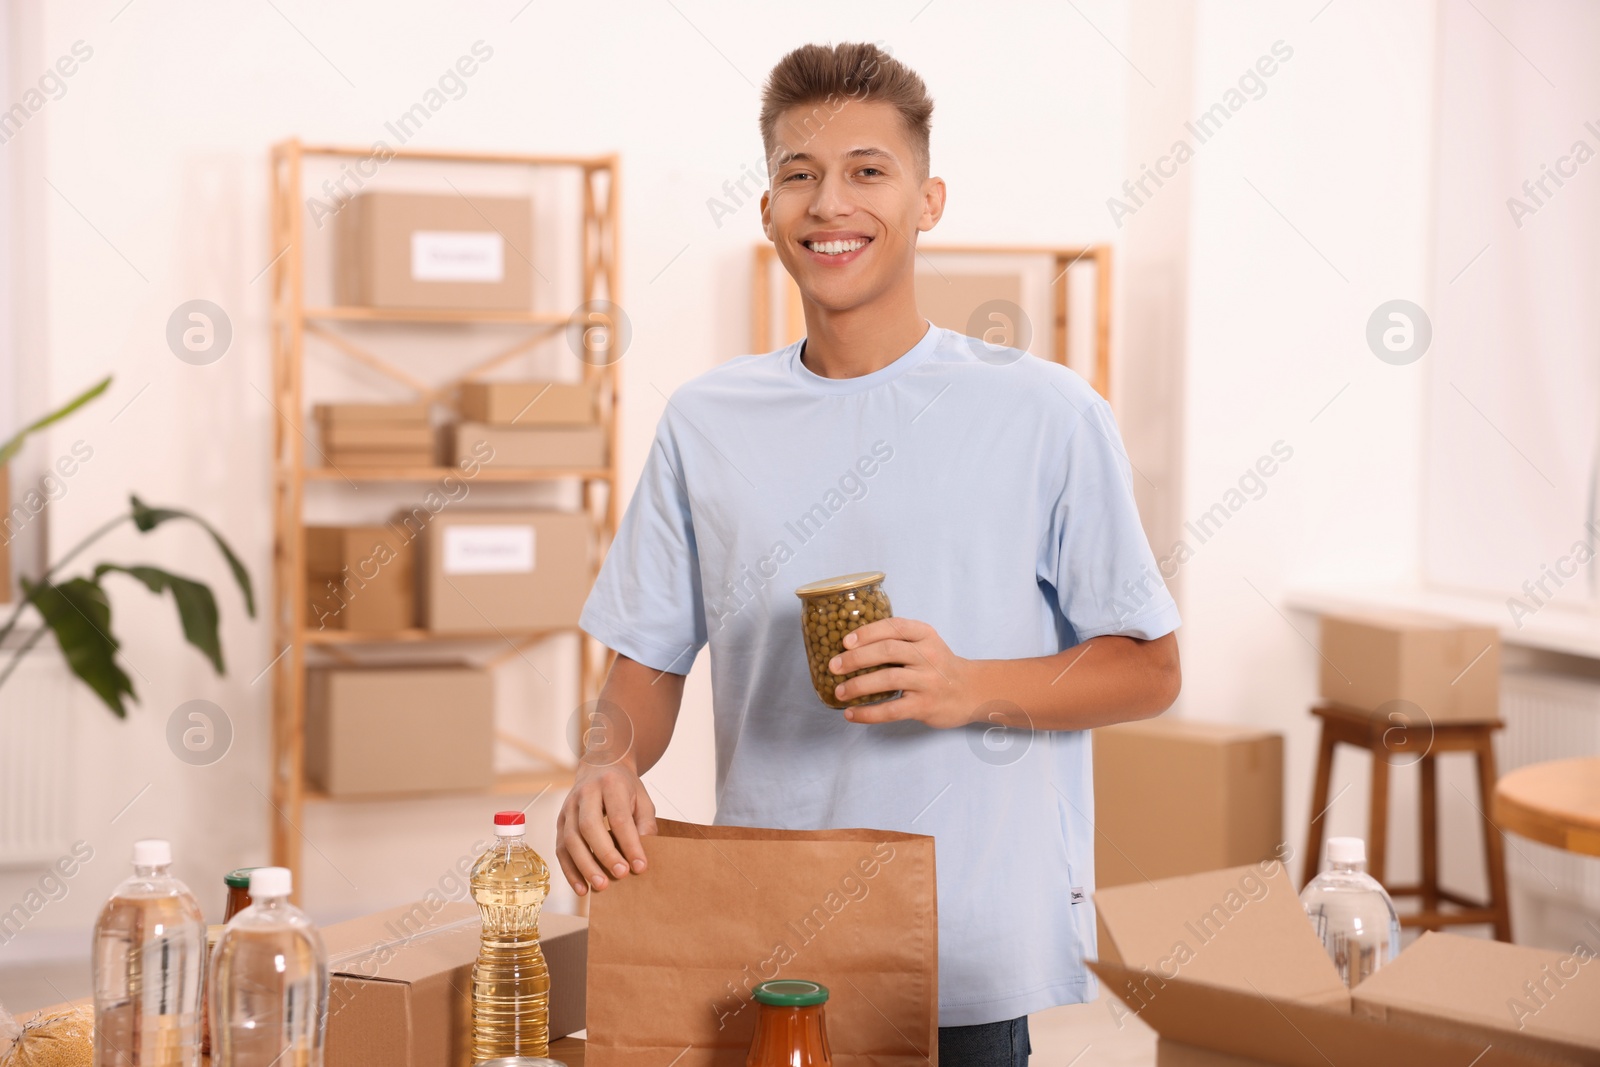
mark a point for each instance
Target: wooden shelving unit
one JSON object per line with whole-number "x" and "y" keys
{"x": 1061, "y": 260}
{"x": 339, "y": 329}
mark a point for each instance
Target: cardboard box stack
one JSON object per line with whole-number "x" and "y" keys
{"x": 1449, "y": 670}
{"x": 1226, "y": 968}
{"x": 1175, "y": 796}
{"x": 375, "y": 435}
{"x": 360, "y": 578}
{"x": 372, "y": 731}
{"x": 496, "y": 571}
{"x": 401, "y": 981}
{"x": 421, "y": 250}
{"x": 529, "y": 424}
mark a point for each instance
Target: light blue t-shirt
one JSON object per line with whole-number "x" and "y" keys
{"x": 992, "y": 489}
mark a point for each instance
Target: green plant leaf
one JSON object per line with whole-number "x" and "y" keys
{"x": 79, "y": 615}
{"x": 14, "y": 445}
{"x": 148, "y": 518}
{"x": 197, "y": 608}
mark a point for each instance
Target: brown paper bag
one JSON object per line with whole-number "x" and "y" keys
{"x": 674, "y": 953}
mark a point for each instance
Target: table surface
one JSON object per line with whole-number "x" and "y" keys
{"x": 568, "y": 1050}
{"x": 1555, "y": 803}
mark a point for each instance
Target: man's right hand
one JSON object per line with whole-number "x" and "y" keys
{"x": 601, "y": 821}
{"x": 608, "y": 810}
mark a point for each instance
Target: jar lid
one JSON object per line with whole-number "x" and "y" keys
{"x": 238, "y": 878}
{"x": 840, "y": 584}
{"x": 791, "y": 993}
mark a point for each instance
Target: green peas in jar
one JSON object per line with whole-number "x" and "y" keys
{"x": 829, "y": 610}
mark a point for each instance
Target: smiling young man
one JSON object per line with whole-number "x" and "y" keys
{"x": 992, "y": 489}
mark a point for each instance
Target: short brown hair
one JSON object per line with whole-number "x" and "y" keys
{"x": 831, "y": 76}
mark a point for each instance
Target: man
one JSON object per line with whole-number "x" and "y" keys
{"x": 992, "y": 489}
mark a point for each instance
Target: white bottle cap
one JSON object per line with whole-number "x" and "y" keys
{"x": 271, "y": 882}
{"x": 1347, "y": 850}
{"x": 152, "y": 853}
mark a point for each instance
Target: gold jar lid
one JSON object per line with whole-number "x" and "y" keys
{"x": 840, "y": 584}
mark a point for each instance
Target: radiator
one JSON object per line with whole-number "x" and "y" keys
{"x": 36, "y": 765}
{"x": 1549, "y": 716}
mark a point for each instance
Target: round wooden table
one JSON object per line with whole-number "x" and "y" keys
{"x": 1555, "y": 803}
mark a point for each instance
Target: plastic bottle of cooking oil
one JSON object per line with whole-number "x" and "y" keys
{"x": 269, "y": 982}
{"x": 510, "y": 983}
{"x": 149, "y": 968}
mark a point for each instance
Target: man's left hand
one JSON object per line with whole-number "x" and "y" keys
{"x": 934, "y": 682}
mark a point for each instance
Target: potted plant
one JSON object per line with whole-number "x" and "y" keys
{"x": 78, "y": 612}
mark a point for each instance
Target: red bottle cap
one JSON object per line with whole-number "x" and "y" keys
{"x": 508, "y": 823}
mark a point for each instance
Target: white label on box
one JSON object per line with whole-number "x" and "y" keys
{"x": 488, "y": 549}
{"x": 457, "y": 256}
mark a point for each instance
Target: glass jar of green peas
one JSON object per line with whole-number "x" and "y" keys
{"x": 830, "y": 609}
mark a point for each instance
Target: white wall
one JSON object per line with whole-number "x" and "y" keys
{"x": 158, "y": 150}
{"x": 1310, "y": 208}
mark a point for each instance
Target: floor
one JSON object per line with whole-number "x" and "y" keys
{"x": 1090, "y": 1035}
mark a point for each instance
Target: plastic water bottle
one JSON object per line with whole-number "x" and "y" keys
{"x": 1351, "y": 912}
{"x": 269, "y": 982}
{"x": 149, "y": 968}
{"x": 510, "y": 982}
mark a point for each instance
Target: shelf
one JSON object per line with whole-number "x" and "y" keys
{"x": 400, "y": 637}
{"x": 445, "y": 155}
{"x": 307, "y": 325}
{"x": 430, "y": 474}
{"x": 512, "y": 783}
{"x": 445, "y": 315}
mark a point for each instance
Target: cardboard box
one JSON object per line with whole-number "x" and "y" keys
{"x": 1175, "y": 796}
{"x": 388, "y": 458}
{"x": 1180, "y": 1055}
{"x": 1177, "y": 1054}
{"x": 375, "y": 435}
{"x": 375, "y": 731}
{"x": 530, "y": 446}
{"x": 349, "y": 414}
{"x": 1537, "y": 1001}
{"x": 360, "y": 578}
{"x": 1227, "y": 962}
{"x": 569, "y": 1050}
{"x": 528, "y": 403}
{"x": 498, "y": 571}
{"x": 951, "y": 301}
{"x": 1448, "y": 669}
{"x": 420, "y": 250}
{"x": 401, "y": 983}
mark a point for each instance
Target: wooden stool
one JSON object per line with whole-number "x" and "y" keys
{"x": 1418, "y": 742}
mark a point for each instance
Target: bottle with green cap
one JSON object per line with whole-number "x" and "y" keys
{"x": 790, "y": 1029}
{"x": 238, "y": 883}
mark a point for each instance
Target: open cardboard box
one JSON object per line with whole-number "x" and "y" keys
{"x": 1228, "y": 971}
